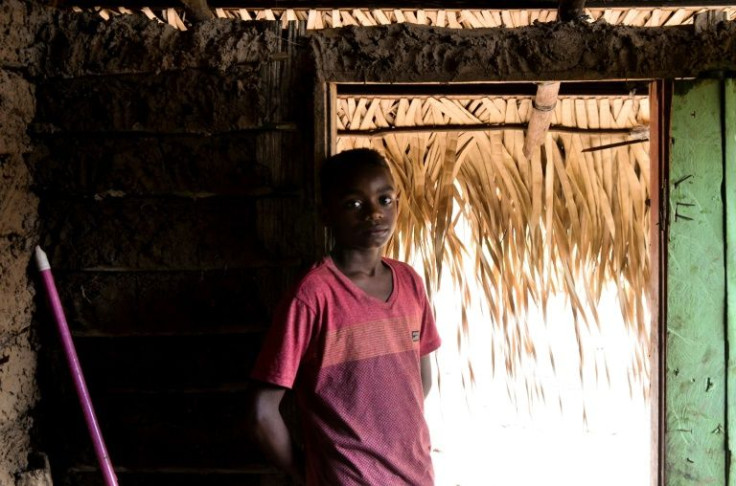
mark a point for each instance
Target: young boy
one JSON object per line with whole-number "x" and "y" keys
{"x": 352, "y": 342}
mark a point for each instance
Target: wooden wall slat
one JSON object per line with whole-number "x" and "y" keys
{"x": 165, "y": 363}
{"x": 136, "y": 165}
{"x": 191, "y": 101}
{"x": 168, "y": 303}
{"x": 161, "y": 430}
{"x": 151, "y": 234}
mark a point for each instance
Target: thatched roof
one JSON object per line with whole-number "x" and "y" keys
{"x": 568, "y": 220}
{"x": 452, "y": 18}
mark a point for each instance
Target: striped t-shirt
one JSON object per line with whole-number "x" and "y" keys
{"x": 353, "y": 362}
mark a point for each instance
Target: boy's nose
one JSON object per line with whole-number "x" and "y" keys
{"x": 374, "y": 213}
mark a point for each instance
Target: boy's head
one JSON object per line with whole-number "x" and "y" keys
{"x": 359, "y": 198}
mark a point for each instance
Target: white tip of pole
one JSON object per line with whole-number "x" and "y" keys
{"x": 42, "y": 260}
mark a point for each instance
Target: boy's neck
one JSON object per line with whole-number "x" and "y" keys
{"x": 350, "y": 262}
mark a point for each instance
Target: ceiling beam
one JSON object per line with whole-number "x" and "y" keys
{"x": 396, "y": 4}
{"x": 520, "y": 89}
{"x": 556, "y": 51}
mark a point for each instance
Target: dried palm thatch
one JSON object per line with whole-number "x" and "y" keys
{"x": 316, "y": 19}
{"x": 564, "y": 220}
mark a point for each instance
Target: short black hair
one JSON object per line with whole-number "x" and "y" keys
{"x": 336, "y": 167}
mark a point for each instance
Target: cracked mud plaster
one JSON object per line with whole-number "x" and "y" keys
{"x": 82, "y": 44}
{"x": 18, "y": 226}
{"x": 18, "y": 387}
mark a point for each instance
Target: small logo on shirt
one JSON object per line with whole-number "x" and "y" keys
{"x": 415, "y": 336}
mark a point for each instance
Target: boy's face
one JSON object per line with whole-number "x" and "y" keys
{"x": 361, "y": 208}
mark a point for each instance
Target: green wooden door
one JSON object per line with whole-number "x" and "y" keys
{"x": 701, "y": 242}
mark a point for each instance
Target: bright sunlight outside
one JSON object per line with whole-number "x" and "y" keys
{"x": 579, "y": 432}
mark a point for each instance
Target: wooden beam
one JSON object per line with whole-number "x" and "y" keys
{"x": 593, "y": 89}
{"x": 558, "y": 51}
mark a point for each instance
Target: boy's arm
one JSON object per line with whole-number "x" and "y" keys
{"x": 426, "y": 370}
{"x": 271, "y": 433}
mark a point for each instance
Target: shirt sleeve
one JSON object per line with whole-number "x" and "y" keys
{"x": 285, "y": 344}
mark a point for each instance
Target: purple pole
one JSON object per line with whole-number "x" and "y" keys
{"x": 71, "y": 353}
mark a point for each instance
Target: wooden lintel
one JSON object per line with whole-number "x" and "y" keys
{"x": 557, "y": 51}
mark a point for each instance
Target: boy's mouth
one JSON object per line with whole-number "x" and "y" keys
{"x": 377, "y": 230}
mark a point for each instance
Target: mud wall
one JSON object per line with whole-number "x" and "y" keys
{"x": 19, "y": 393}
{"x": 174, "y": 170}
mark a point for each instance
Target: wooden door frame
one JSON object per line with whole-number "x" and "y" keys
{"x": 659, "y": 135}
{"x": 660, "y": 95}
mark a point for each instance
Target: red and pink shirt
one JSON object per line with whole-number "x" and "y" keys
{"x": 354, "y": 364}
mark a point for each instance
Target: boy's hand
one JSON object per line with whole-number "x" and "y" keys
{"x": 270, "y": 432}
{"x": 426, "y": 370}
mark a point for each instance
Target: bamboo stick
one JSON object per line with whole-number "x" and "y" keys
{"x": 544, "y": 102}
{"x": 477, "y": 127}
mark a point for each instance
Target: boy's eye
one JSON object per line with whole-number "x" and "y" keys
{"x": 386, "y": 200}
{"x": 353, "y": 204}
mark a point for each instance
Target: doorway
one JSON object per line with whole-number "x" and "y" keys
{"x": 538, "y": 267}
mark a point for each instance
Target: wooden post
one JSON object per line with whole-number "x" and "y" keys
{"x": 730, "y": 208}
{"x": 198, "y": 10}
{"x": 543, "y": 105}
{"x": 570, "y": 10}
